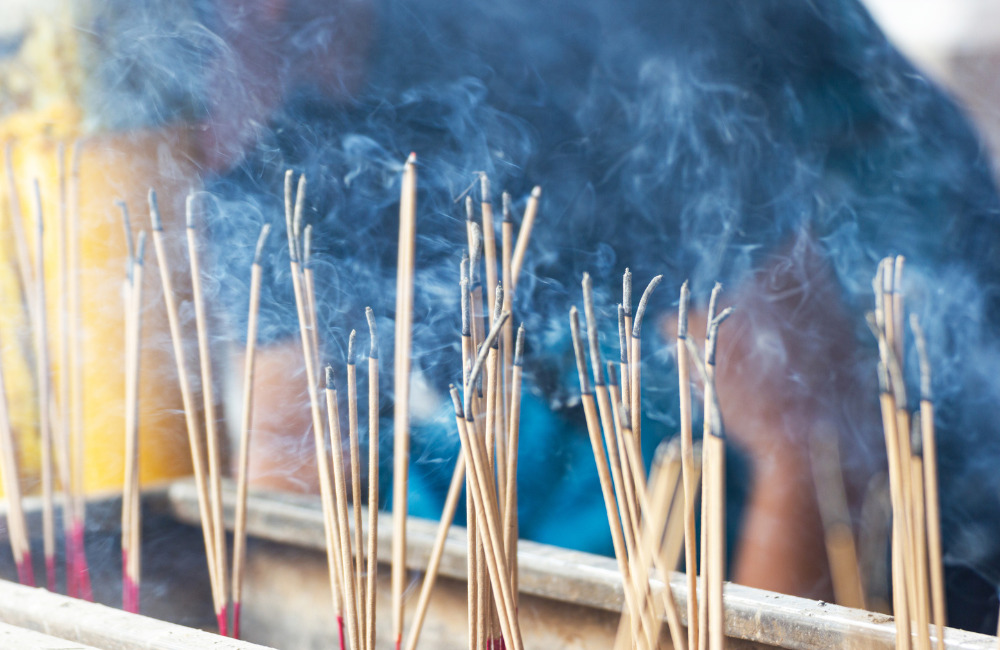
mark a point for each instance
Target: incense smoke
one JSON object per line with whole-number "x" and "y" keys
{"x": 721, "y": 141}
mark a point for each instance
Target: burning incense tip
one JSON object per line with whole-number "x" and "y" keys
{"x": 350, "y": 347}
{"x": 289, "y": 208}
{"x": 643, "y": 302}
{"x": 536, "y": 191}
{"x": 331, "y": 379}
{"x": 713, "y": 299}
{"x": 127, "y": 223}
{"x": 466, "y": 308}
{"x": 154, "y": 211}
{"x": 259, "y": 251}
{"x": 923, "y": 360}
{"x": 722, "y": 316}
{"x": 497, "y": 302}
{"x": 609, "y": 366}
{"x": 456, "y": 401}
{"x": 372, "y": 333}
{"x": 519, "y": 346}
{"x": 140, "y": 248}
{"x": 627, "y": 291}
{"x": 507, "y": 217}
{"x": 622, "y": 339}
{"x": 484, "y": 187}
{"x": 412, "y": 158}
{"x": 300, "y": 202}
{"x": 470, "y": 213}
{"x": 682, "y": 311}
{"x": 307, "y": 245}
{"x": 581, "y": 361}
{"x": 593, "y": 336}
{"x": 476, "y": 252}
{"x": 189, "y": 210}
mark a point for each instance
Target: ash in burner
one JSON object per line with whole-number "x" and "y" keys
{"x": 782, "y": 149}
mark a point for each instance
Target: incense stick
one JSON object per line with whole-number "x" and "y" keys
{"x": 331, "y": 534}
{"x": 401, "y": 384}
{"x": 437, "y": 552}
{"x": 355, "y": 451}
{"x": 211, "y": 432}
{"x": 9, "y": 466}
{"x": 373, "y": 462}
{"x": 524, "y": 236}
{"x": 349, "y": 580}
{"x": 687, "y": 466}
{"x": 930, "y": 480}
{"x": 42, "y": 379}
{"x": 489, "y": 239}
{"x": 243, "y": 460}
{"x": 187, "y": 398}
{"x": 513, "y": 440}
{"x": 635, "y": 362}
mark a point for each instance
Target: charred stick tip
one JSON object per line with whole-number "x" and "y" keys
{"x": 189, "y": 211}
{"x": 581, "y": 361}
{"x": 519, "y": 346}
{"x": 475, "y": 253}
{"x": 612, "y": 375}
{"x": 261, "y": 240}
{"x": 923, "y": 359}
{"x": 916, "y": 438}
{"x": 470, "y": 212}
{"x": 682, "y": 311}
{"x": 351, "y": 341}
{"x": 456, "y": 401}
{"x": 897, "y": 273}
{"x": 627, "y": 291}
{"x": 484, "y": 187}
{"x": 536, "y": 192}
{"x": 331, "y": 379}
{"x": 412, "y": 158}
{"x": 372, "y": 333}
{"x": 507, "y": 217}
{"x": 307, "y": 246}
{"x": 300, "y": 204}
{"x": 622, "y": 335}
{"x": 466, "y": 308}
{"x": 640, "y": 311}
{"x": 127, "y": 223}
{"x": 154, "y": 211}
{"x": 593, "y": 335}
{"x": 712, "y": 304}
{"x": 497, "y": 301}
{"x": 140, "y": 247}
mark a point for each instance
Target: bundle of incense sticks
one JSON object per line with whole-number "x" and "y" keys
{"x": 917, "y": 573}
{"x": 652, "y": 521}
{"x": 490, "y": 418}
{"x": 352, "y": 574}
{"x": 60, "y": 411}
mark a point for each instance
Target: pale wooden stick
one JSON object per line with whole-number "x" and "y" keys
{"x": 135, "y": 520}
{"x": 603, "y": 472}
{"x": 401, "y": 384}
{"x": 76, "y": 376}
{"x": 246, "y": 421}
{"x": 524, "y": 236}
{"x": 627, "y": 338}
{"x": 836, "y": 519}
{"x": 489, "y": 240}
{"x": 133, "y": 327}
{"x": 355, "y": 451}
{"x": 688, "y": 470}
{"x": 373, "y": 461}
{"x": 21, "y": 248}
{"x": 322, "y": 458}
{"x": 633, "y": 463}
{"x": 437, "y": 552}
{"x": 42, "y": 378}
{"x": 635, "y": 361}
{"x": 510, "y": 511}
{"x": 475, "y": 284}
{"x": 16, "y": 524}
{"x": 930, "y": 481}
{"x": 705, "y": 491}
{"x": 474, "y": 554}
{"x": 496, "y": 447}
{"x": 309, "y": 285}
{"x": 340, "y": 482}
{"x": 211, "y": 432}
{"x": 187, "y": 398}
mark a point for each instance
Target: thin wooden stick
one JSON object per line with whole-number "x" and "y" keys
{"x": 635, "y": 361}
{"x": 627, "y": 317}
{"x": 474, "y": 553}
{"x": 373, "y": 461}
{"x": 21, "y": 248}
{"x": 401, "y": 384}
{"x": 187, "y": 398}
{"x": 687, "y": 466}
{"x": 603, "y": 472}
{"x": 930, "y": 481}
{"x": 16, "y": 524}
{"x": 312, "y": 382}
{"x": 437, "y": 552}
{"x": 475, "y": 284}
{"x": 524, "y": 236}
{"x": 76, "y": 376}
{"x": 246, "y": 421}
{"x": 705, "y": 479}
{"x": 348, "y": 578}
{"x": 513, "y": 438}
{"x": 43, "y": 384}
{"x": 489, "y": 240}
{"x": 355, "y": 451}
{"x": 135, "y": 520}
{"x": 309, "y": 285}
{"x": 211, "y": 431}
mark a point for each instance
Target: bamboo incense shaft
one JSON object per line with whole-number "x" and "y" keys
{"x": 627, "y": 338}
{"x": 635, "y": 361}
{"x": 355, "y": 451}
{"x": 211, "y": 430}
{"x": 135, "y": 520}
{"x": 348, "y": 578}
{"x": 524, "y": 236}
{"x": 603, "y": 472}
{"x": 437, "y": 552}
{"x": 632, "y": 464}
{"x": 401, "y": 384}
{"x": 916, "y": 467}
{"x": 930, "y": 481}
{"x": 705, "y": 479}
{"x": 489, "y": 240}
{"x": 495, "y": 448}
{"x": 476, "y": 286}
{"x": 373, "y": 467}
{"x": 246, "y": 415}
{"x": 21, "y": 248}
{"x": 319, "y": 442}
{"x": 16, "y": 524}
{"x": 474, "y": 557}
{"x": 187, "y": 398}
{"x": 42, "y": 379}
{"x": 624, "y": 495}
{"x": 513, "y": 440}
{"x": 687, "y": 466}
